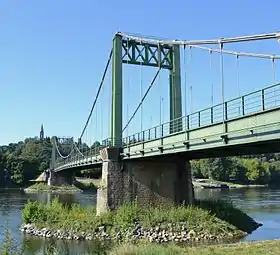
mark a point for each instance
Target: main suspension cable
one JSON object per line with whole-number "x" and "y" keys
{"x": 244, "y": 54}
{"x": 60, "y": 154}
{"x": 98, "y": 92}
{"x": 143, "y": 98}
{"x": 200, "y": 42}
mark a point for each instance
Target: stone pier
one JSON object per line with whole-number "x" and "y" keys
{"x": 156, "y": 181}
{"x": 59, "y": 178}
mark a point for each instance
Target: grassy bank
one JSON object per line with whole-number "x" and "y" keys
{"x": 207, "y": 220}
{"x": 252, "y": 248}
{"x": 11, "y": 247}
{"x": 42, "y": 187}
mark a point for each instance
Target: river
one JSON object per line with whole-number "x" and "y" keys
{"x": 262, "y": 204}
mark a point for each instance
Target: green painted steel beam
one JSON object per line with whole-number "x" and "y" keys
{"x": 146, "y": 54}
{"x": 53, "y": 155}
{"x": 116, "y": 117}
{"x": 175, "y": 92}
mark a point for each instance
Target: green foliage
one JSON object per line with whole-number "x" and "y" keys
{"x": 33, "y": 211}
{"x": 241, "y": 248}
{"x": 125, "y": 216}
{"x": 264, "y": 169}
{"x": 23, "y": 161}
{"x": 211, "y": 217}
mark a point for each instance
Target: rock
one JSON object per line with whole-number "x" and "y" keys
{"x": 191, "y": 233}
{"x": 101, "y": 228}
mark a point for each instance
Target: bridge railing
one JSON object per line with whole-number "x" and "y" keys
{"x": 92, "y": 153}
{"x": 257, "y": 101}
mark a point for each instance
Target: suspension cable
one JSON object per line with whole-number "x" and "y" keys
{"x": 96, "y": 128}
{"x": 60, "y": 154}
{"x": 245, "y": 54}
{"x": 273, "y": 69}
{"x": 237, "y": 74}
{"x": 274, "y": 77}
{"x": 78, "y": 150}
{"x": 211, "y": 78}
{"x": 190, "y": 85}
{"x": 141, "y": 93}
{"x": 185, "y": 79}
{"x": 159, "y": 82}
{"x": 143, "y": 98}
{"x": 185, "y": 90}
{"x": 196, "y": 44}
{"x": 237, "y": 81}
{"x": 222, "y": 79}
{"x": 200, "y": 42}
{"x": 98, "y": 91}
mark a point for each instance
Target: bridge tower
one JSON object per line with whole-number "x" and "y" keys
{"x": 140, "y": 53}
{"x": 167, "y": 180}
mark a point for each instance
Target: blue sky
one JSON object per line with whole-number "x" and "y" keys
{"x": 53, "y": 54}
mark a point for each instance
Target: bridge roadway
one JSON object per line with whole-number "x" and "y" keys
{"x": 251, "y": 125}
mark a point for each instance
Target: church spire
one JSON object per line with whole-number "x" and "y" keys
{"x": 42, "y": 136}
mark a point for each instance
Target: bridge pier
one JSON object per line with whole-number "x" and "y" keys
{"x": 59, "y": 178}
{"x": 156, "y": 181}
{"x": 110, "y": 193}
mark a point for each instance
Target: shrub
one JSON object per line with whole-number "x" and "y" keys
{"x": 34, "y": 211}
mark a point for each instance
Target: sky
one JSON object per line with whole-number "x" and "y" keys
{"x": 53, "y": 54}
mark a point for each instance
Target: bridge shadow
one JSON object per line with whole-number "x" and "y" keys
{"x": 225, "y": 211}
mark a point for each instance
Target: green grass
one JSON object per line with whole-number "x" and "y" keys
{"x": 250, "y": 248}
{"x": 9, "y": 247}
{"x": 206, "y": 217}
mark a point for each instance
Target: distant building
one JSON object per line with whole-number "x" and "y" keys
{"x": 42, "y": 135}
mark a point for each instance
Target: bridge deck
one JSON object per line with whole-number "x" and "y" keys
{"x": 252, "y": 119}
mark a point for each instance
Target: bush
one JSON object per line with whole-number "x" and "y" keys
{"x": 208, "y": 216}
{"x": 34, "y": 211}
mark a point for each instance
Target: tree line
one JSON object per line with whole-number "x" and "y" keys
{"x": 23, "y": 161}
{"x": 26, "y": 160}
{"x": 259, "y": 169}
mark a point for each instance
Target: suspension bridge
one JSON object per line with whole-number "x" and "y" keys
{"x": 144, "y": 151}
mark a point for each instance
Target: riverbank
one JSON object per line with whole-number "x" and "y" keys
{"x": 42, "y": 187}
{"x": 206, "y": 221}
{"x": 199, "y": 183}
{"x": 256, "y": 248}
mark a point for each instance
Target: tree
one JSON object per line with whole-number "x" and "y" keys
{"x": 257, "y": 171}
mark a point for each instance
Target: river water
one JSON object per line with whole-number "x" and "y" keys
{"x": 262, "y": 204}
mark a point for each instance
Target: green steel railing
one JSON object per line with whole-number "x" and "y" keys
{"x": 258, "y": 101}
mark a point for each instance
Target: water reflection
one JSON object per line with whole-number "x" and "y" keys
{"x": 263, "y": 204}
{"x": 36, "y": 245}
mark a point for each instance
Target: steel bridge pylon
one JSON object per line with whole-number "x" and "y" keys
{"x": 163, "y": 56}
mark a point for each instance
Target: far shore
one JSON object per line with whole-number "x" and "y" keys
{"x": 199, "y": 183}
